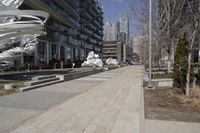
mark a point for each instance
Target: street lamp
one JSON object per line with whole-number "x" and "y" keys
{"x": 150, "y": 41}
{"x": 125, "y": 45}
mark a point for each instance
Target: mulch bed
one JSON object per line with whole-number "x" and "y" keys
{"x": 166, "y": 104}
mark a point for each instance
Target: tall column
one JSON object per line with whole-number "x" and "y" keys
{"x": 124, "y": 50}
{"x": 36, "y": 56}
{"x": 72, "y": 54}
{"x": 150, "y": 43}
{"x": 65, "y": 55}
{"x": 58, "y": 50}
{"x": 50, "y": 52}
{"x": 22, "y": 59}
{"x": 47, "y": 53}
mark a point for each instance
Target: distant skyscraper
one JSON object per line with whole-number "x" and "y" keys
{"x": 106, "y": 31}
{"x": 124, "y": 24}
{"x": 122, "y": 37}
{"x": 111, "y": 31}
{"x": 118, "y": 31}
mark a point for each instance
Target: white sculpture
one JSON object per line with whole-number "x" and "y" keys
{"x": 19, "y": 29}
{"x": 93, "y": 60}
{"x": 111, "y": 61}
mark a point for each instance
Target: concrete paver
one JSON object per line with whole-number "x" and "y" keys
{"x": 34, "y": 100}
{"x": 11, "y": 117}
{"x": 93, "y": 79}
{"x": 17, "y": 108}
{"x": 160, "y": 126}
{"x": 74, "y": 86}
{"x": 112, "y": 106}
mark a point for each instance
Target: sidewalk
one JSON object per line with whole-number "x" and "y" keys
{"x": 112, "y": 106}
{"x": 160, "y": 126}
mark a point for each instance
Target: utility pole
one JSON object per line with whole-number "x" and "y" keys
{"x": 124, "y": 49}
{"x": 150, "y": 41}
{"x": 126, "y": 44}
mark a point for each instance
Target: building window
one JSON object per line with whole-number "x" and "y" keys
{"x": 62, "y": 53}
{"x": 77, "y": 54}
{"x": 54, "y": 51}
{"x": 70, "y": 40}
{"x": 82, "y": 53}
{"x": 68, "y": 56}
{"x": 42, "y": 53}
{"x": 68, "y": 53}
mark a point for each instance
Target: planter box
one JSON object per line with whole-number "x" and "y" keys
{"x": 163, "y": 82}
{"x": 9, "y": 87}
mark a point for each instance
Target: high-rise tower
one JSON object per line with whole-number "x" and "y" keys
{"x": 124, "y": 25}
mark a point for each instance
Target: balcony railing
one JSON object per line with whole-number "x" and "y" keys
{"x": 92, "y": 12}
{"x": 72, "y": 32}
{"x": 74, "y": 2}
{"x": 88, "y": 16}
{"x": 92, "y": 26}
{"x": 93, "y": 41}
{"x": 97, "y": 23}
{"x": 88, "y": 31}
{"x": 66, "y": 6}
{"x": 83, "y": 37}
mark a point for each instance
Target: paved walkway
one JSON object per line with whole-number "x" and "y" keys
{"x": 159, "y": 126}
{"x": 112, "y": 106}
{"x": 23, "y": 106}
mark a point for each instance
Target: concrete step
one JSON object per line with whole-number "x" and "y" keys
{"x": 40, "y": 85}
{"x": 31, "y": 83}
{"x": 43, "y": 77}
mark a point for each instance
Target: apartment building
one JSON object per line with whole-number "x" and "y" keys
{"x": 113, "y": 49}
{"x": 75, "y": 28}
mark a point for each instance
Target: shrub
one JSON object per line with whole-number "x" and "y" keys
{"x": 195, "y": 93}
{"x": 181, "y": 64}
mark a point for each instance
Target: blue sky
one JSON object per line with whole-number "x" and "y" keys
{"x": 113, "y": 8}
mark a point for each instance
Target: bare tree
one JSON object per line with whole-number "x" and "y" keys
{"x": 141, "y": 17}
{"x": 166, "y": 15}
{"x": 169, "y": 21}
{"x": 193, "y": 8}
{"x": 180, "y": 16}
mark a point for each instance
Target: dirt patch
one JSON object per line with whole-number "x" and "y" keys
{"x": 18, "y": 84}
{"x": 6, "y": 92}
{"x": 168, "y": 104}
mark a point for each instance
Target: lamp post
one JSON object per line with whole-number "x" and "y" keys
{"x": 125, "y": 46}
{"x": 150, "y": 41}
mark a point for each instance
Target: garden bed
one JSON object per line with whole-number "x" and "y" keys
{"x": 167, "y": 104}
{"x": 6, "y": 92}
{"x": 17, "y": 84}
{"x": 161, "y": 76}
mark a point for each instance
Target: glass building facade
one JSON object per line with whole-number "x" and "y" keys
{"x": 75, "y": 28}
{"x": 124, "y": 26}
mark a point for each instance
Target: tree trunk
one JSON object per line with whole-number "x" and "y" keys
{"x": 187, "y": 89}
{"x": 169, "y": 63}
{"x": 173, "y": 52}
